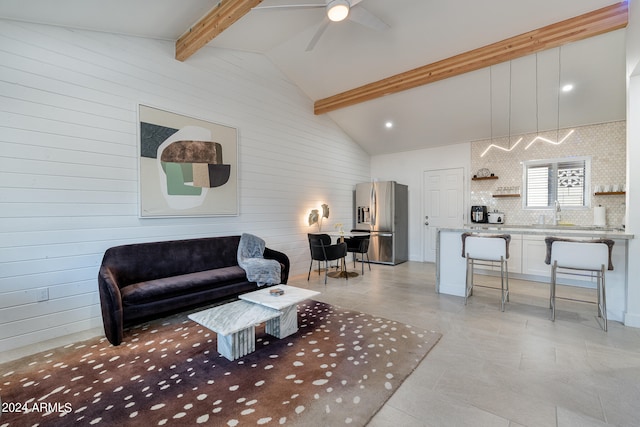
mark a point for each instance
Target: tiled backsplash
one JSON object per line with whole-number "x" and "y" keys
{"x": 604, "y": 143}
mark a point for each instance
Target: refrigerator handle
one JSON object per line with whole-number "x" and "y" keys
{"x": 374, "y": 205}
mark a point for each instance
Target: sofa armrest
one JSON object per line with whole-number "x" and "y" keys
{"x": 283, "y": 259}
{"x": 111, "y": 305}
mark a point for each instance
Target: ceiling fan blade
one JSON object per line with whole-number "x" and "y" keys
{"x": 292, "y": 6}
{"x": 317, "y": 35}
{"x": 363, "y": 17}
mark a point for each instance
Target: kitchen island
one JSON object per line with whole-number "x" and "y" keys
{"x": 526, "y": 261}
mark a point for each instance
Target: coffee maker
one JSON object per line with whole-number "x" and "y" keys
{"x": 479, "y": 214}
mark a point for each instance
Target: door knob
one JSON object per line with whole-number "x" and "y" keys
{"x": 426, "y": 223}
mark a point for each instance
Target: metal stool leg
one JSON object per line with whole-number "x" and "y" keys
{"x": 506, "y": 272}
{"x": 551, "y": 289}
{"x": 602, "y": 299}
{"x": 468, "y": 287}
{"x": 552, "y": 299}
{"x": 504, "y": 282}
{"x": 501, "y": 284}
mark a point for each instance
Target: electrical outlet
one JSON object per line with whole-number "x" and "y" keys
{"x": 43, "y": 294}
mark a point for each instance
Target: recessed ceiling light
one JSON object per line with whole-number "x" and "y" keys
{"x": 388, "y": 125}
{"x": 567, "y": 88}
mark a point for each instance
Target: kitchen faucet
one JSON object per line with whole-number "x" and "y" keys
{"x": 556, "y": 213}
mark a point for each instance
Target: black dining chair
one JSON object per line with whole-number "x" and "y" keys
{"x": 326, "y": 240}
{"x": 323, "y": 252}
{"x": 359, "y": 245}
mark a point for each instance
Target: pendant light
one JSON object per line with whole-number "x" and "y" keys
{"x": 491, "y": 102}
{"x": 490, "y": 112}
{"x": 510, "y": 90}
{"x": 537, "y": 109}
{"x": 492, "y": 145}
{"x": 558, "y": 91}
{"x": 558, "y": 141}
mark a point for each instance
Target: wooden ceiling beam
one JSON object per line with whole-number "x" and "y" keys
{"x": 221, "y": 17}
{"x": 590, "y": 24}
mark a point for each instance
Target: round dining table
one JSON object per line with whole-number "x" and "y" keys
{"x": 343, "y": 267}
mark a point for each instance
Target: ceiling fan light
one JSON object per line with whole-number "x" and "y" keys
{"x": 337, "y": 10}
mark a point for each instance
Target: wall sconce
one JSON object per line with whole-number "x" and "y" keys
{"x": 315, "y": 218}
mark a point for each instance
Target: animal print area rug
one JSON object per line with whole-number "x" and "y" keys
{"x": 338, "y": 369}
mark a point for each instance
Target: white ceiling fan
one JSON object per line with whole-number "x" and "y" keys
{"x": 336, "y": 11}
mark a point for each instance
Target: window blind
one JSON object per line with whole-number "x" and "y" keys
{"x": 563, "y": 180}
{"x": 538, "y": 186}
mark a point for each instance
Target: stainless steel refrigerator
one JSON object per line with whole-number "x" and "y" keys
{"x": 382, "y": 208}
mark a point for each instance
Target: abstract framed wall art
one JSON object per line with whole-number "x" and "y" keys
{"x": 187, "y": 166}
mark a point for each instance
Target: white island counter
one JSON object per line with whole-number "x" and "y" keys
{"x": 526, "y": 261}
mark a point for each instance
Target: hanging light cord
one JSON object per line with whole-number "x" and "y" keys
{"x": 491, "y": 102}
{"x": 559, "y": 75}
{"x": 510, "y": 84}
{"x": 537, "y": 117}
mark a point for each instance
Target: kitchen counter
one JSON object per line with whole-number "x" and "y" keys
{"x": 547, "y": 230}
{"x": 527, "y": 253}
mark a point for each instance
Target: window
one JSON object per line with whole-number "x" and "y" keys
{"x": 565, "y": 180}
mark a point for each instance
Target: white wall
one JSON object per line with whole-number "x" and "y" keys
{"x": 407, "y": 168}
{"x": 68, "y": 162}
{"x": 632, "y": 317}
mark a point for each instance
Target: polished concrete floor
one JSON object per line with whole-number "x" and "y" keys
{"x": 490, "y": 368}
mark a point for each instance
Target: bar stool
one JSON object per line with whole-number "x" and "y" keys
{"x": 587, "y": 257}
{"x": 486, "y": 250}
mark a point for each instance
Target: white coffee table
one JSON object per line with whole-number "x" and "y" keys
{"x": 235, "y": 325}
{"x": 286, "y": 305}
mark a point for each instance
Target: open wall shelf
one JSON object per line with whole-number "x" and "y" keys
{"x": 610, "y": 193}
{"x": 483, "y": 178}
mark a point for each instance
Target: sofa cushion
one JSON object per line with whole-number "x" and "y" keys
{"x": 139, "y": 262}
{"x": 169, "y": 287}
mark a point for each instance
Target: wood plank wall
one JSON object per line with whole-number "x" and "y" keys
{"x": 68, "y": 162}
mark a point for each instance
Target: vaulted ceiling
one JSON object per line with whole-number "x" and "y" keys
{"x": 518, "y": 96}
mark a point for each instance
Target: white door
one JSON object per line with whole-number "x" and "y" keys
{"x": 443, "y": 205}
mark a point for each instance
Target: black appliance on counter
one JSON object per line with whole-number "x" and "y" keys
{"x": 479, "y": 214}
